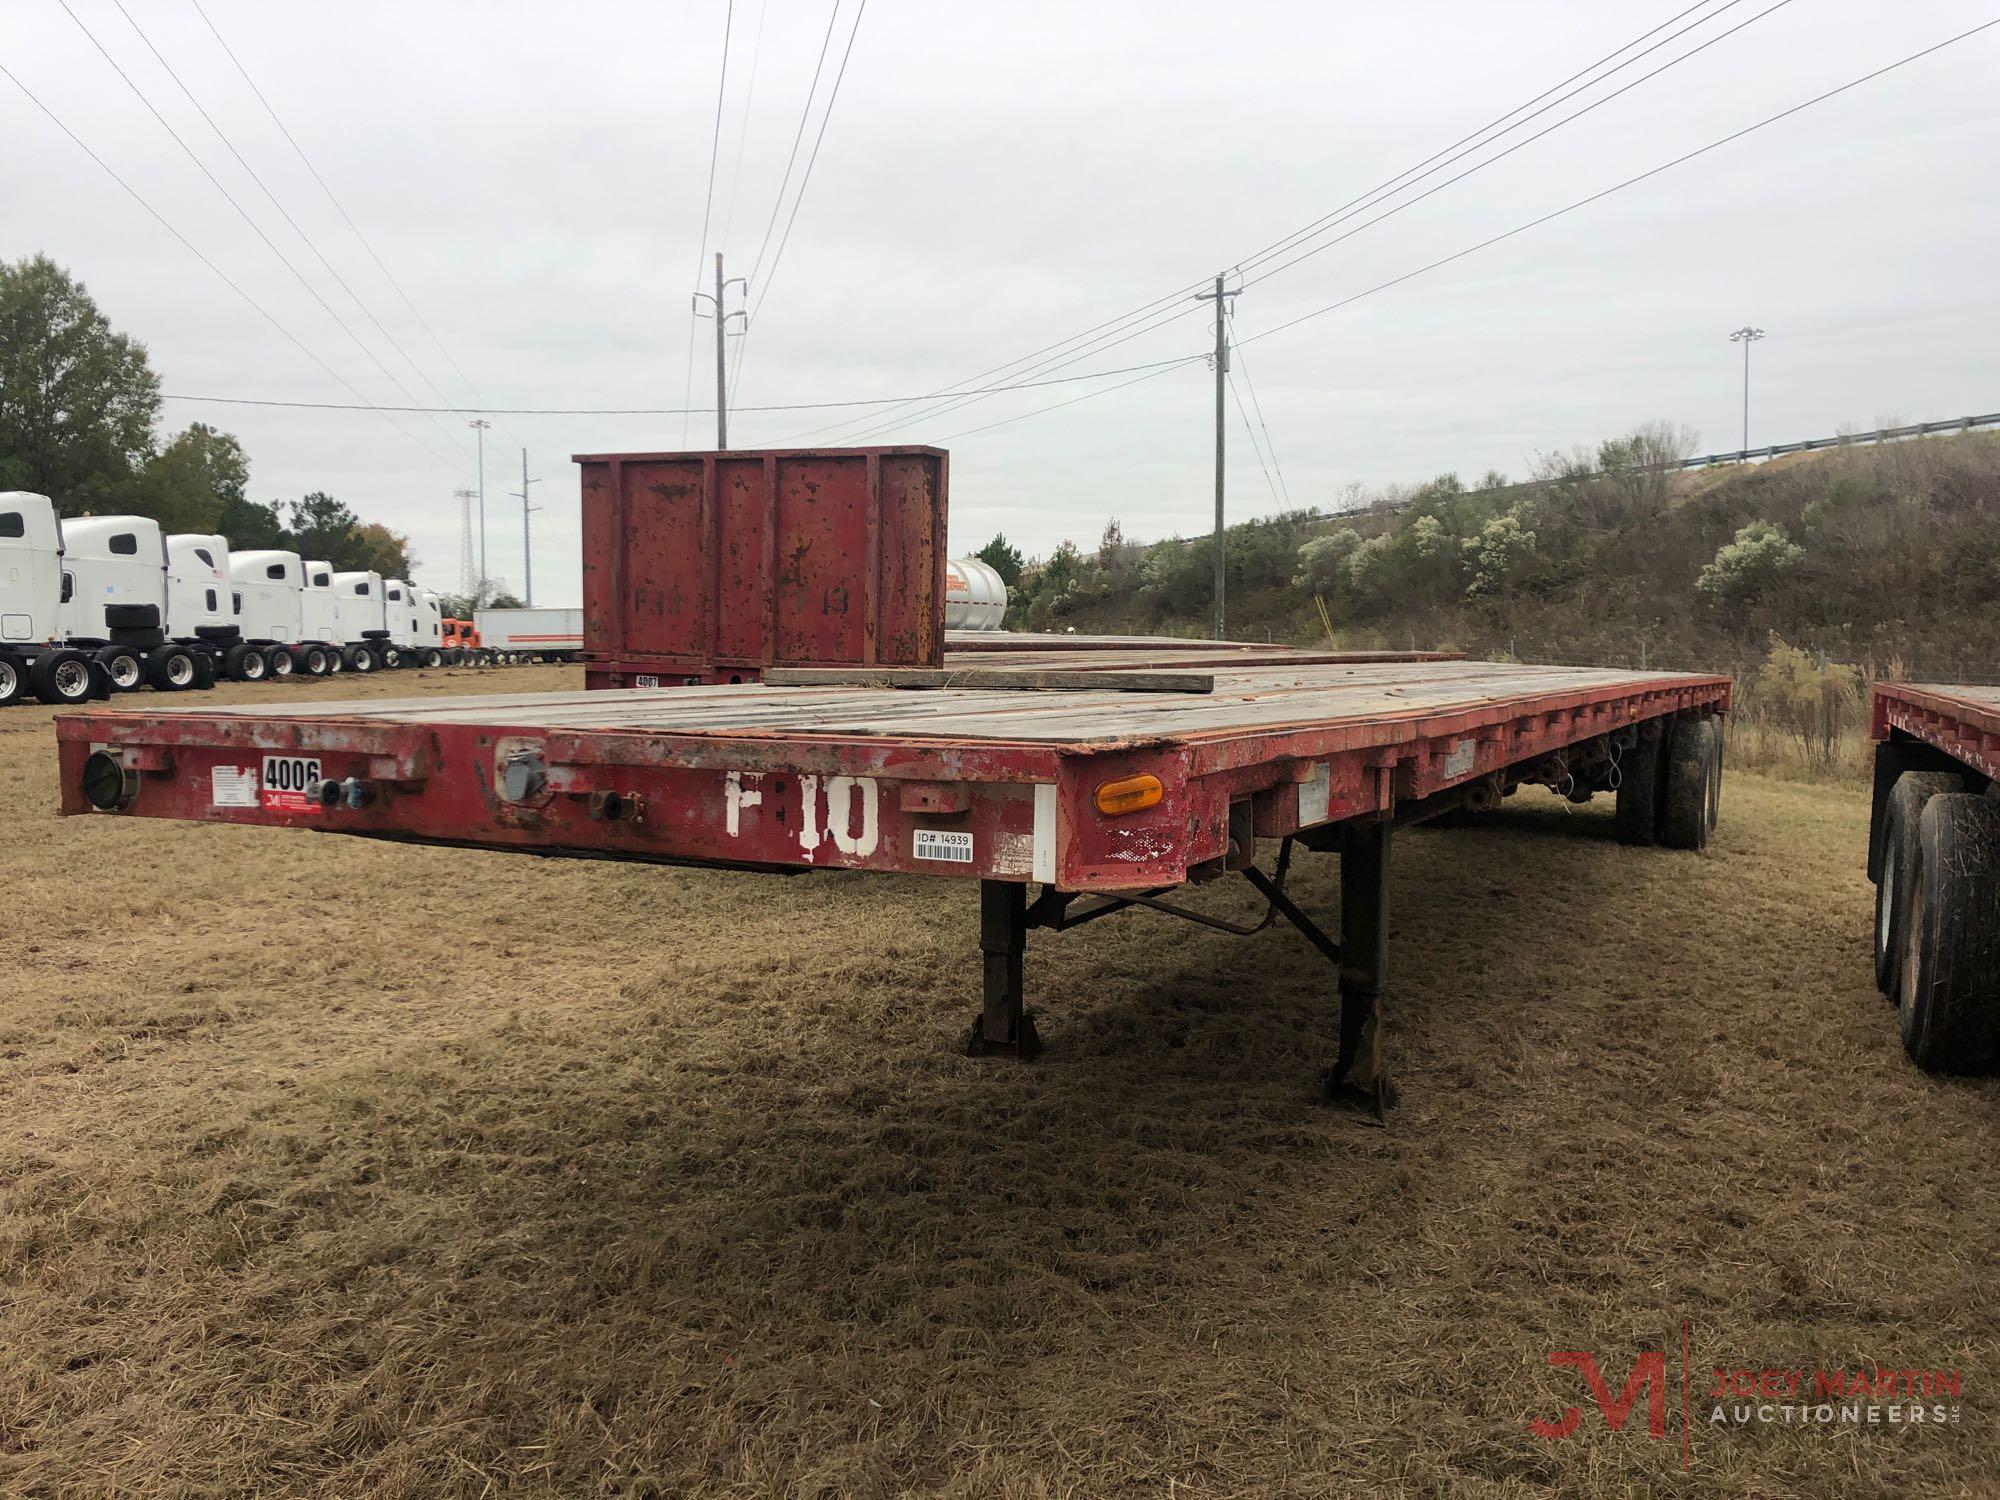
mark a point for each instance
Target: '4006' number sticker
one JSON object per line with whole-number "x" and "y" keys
{"x": 290, "y": 781}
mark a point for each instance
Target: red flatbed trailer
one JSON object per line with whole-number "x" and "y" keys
{"x": 1934, "y": 855}
{"x": 1104, "y": 781}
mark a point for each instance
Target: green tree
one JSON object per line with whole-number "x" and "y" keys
{"x": 1323, "y": 561}
{"x": 77, "y": 399}
{"x": 387, "y": 552}
{"x": 320, "y": 526}
{"x": 1501, "y": 555}
{"x": 197, "y": 478}
{"x": 1003, "y": 557}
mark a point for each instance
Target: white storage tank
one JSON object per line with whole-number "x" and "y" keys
{"x": 974, "y": 596}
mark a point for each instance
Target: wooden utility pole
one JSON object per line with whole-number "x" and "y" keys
{"x": 1221, "y": 360}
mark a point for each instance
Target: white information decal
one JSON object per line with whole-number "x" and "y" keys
{"x": 930, "y": 843}
{"x": 232, "y": 786}
{"x": 288, "y": 782}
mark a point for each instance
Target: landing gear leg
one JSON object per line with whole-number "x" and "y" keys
{"x": 1360, "y": 1075}
{"x": 1004, "y": 1026}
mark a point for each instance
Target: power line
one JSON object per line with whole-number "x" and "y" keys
{"x": 1523, "y": 228}
{"x": 1258, "y": 406}
{"x": 228, "y": 197}
{"x": 805, "y": 179}
{"x": 1373, "y": 198}
{"x": 285, "y": 213}
{"x": 1152, "y": 374}
{"x": 1255, "y": 448}
{"x": 1735, "y": 135}
{"x": 1179, "y": 294}
{"x": 339, "y": 208}
{"x": 364, "y": 403}
{"x": 656, "y": 411}
{"x": 708, "y": 199}
{"x": 743, "y": 128}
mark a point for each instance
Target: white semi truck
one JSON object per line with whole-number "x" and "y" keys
{"x": 267, "y": 584}
{"x": 361, "y": 620}
{"x": 34, "y": 657}
{"x": 319, "y": 653}
{"x": 114, "y": 602}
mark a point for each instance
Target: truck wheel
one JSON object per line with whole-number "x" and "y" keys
{"x": 333, "y": 661}
{"x": 1639, "y": 775}
{"x": 1951, "y": 961}
{"x": 204, "y": 669}
{"x": 433, "y": 657}
{"x": 391, "y": 658}
{"x": 314, "y": 661}
{"x": 1685, "y": 810}
{"x": 172, "y": 668}
{"x": 242, "y": 662}
{"x": 1900, "y": 815}
{"x": 61, "y": 677}
{"x": 279, "y": 661}
{"x": 122, "y": 665}
{"x": 13, "y": 680}
{"x": 361, "y": 658}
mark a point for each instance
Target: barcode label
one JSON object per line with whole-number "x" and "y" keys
{"x": 955, "y": 847}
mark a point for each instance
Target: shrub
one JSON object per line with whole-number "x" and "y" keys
{"x": 1750, "y": 565}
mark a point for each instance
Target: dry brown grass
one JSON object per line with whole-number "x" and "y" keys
{"x": 560, "y": 1178}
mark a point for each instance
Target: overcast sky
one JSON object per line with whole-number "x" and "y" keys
{"x": 996, "y": 178}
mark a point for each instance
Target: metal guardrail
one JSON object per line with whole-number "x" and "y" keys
{"x": 1812, "y": 445}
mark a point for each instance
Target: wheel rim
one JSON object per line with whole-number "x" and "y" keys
{"x": 125, "y": 671}
{"x": 10, "y": 680}
{"x": 1885, "y": 901}
{"x": 281, "y": 666}
{"x": 254, "y": 667}
{"x": 180, "y": 670}
{"x": 71, "y": 679}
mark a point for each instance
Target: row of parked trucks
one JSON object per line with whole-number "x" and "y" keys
{"x": 101, "y": 604}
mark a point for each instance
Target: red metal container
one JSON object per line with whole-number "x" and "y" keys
{"x": 709, "y": 567}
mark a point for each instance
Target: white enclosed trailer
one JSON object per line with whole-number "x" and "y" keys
{"x": 361, "y": 622}
{"x": 33, "y": 656}
{"x": 546, "y": 634}
{"x": 267, "y": 585}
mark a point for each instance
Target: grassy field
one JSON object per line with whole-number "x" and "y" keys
{"x": 336, "y": 1168}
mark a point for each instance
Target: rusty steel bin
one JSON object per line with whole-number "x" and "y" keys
{"x": 709, "y": 567}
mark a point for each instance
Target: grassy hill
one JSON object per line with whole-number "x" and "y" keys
{"x": 1886, "y": 557}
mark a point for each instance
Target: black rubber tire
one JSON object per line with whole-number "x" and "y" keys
{"x": 132, "y": 617}
{"x": 1900, "y": 815}
{"x": 363, "y": 659}
{"x": 217, "y": 633}
{"x": 433, "y": 657}
{"x": 278, "y": 662}
{"x": 125, "y": 668}
{"x": 311, "y": 660}
{"x": 1692, "y": 759}
{"x": 204, "y": 670}
{"x": 13, "y": 679}
{"x": 1716, "y": 741}
{"x": 1951, "y": 965}
{"x": 1641, "y": 772}
{"x": 392, "y": 658}
{"x": 172, "y": 668}
{"x": 63, "y": 678}
{"x": 233, "y": 661}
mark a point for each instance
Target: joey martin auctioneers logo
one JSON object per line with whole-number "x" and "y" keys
{"x": 1722, "y": 1397}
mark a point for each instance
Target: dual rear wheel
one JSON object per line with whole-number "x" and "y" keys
{"x": 1937, "y": 921}
{"x": 1670, "y": 785}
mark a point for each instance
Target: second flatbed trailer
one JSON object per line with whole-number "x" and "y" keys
{"x": 1934, "y": 855}
{"x": 1093, "y": 781}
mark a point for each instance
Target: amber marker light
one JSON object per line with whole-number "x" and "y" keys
{"x": 1128, "y": 794}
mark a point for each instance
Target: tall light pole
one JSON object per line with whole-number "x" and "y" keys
{"x": 479, "y": 426}
{"x": 527, "y": 540}
{"x": 722, "y": 316}
{"x": 1746, "y": 336}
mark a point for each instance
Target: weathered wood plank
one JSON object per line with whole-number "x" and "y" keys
{"x": 1001, "y": 679}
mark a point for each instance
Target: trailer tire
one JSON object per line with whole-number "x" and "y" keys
{"x": 1951, "y": 964}
{"x": 124, "y": 667}
{"x": 279, "y": 661}
{"x": 362, "y": 659}
{"x": 63, "y": 678}
{"x": 1641, "y": 772}
{"x": 1901, "y": 813}
{"x": 172, "y": 668}
{"x": 1686, "y": 809}
{"x": 13, "y": 680}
